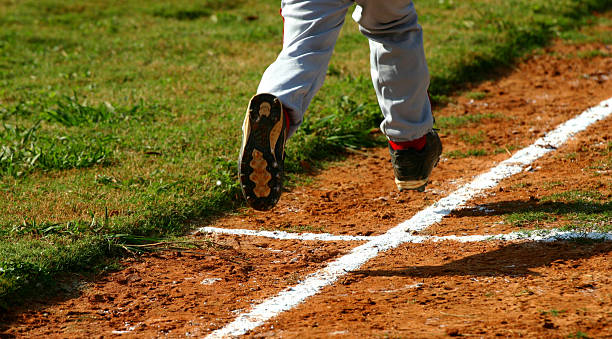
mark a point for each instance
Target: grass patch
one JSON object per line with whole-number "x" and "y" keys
{"x": 123, "y": 118}
{"x": 601, "y": 166}
{"x": 529, "y": 218}
{"x": 552, "y": 184}
{"x": 476, "y": 95}
{"x": 69, "y": 112}
{"x": 24, "y": 150}
{"x": 575, "y": 196}
{"x": 347, "y": 124}
{"x": 458, "y": 154}
{"x": 595, "y": 31}
{"x": 592, "y": 54}
{"x": 506, "y": 149}
{"x": 578, "y": 211}
{"x": 473, "y": 139}
{"x": 187, "y": 11}
{"x": 520, "y": 185}
{"x": 523, "y": 25}
{"x": 579, "y": 334}
{"x": 553, "y": 312}
{"x": 458, "y": 121}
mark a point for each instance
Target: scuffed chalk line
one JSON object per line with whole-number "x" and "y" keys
{"x": 313, "y": 283}
{"x": 536, "y": 235}
{"x": 280, "y": 235}
{"x": 523, "y": 236}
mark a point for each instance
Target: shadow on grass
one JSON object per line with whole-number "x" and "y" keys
{"x": 534, "y": 206}
{"x": 501, "y": 61}
{"x": 511, "y": 260}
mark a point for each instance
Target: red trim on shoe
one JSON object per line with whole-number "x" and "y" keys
{"x": 416, "y": 144}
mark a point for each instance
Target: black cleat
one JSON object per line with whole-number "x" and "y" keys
{"x": 412, "y": 168}
{"x": 261, "y": 161}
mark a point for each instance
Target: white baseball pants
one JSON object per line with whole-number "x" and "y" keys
{"x": 398, "y": 67}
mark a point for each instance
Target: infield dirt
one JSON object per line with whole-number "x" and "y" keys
{"x": 480, "y": 289}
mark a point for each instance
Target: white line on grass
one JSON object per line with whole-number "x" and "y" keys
{"x": 537, "y": 235}
{"x": 398, "y": 235}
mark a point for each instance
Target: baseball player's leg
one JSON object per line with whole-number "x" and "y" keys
{"x": 286, "y": 89}
{"x": 311, "y": 30}
{"x": 401, "y": 78}
{"x": 399, "y": 70}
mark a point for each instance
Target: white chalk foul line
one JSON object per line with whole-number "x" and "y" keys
{"x": 280, "y": 235}
{"x": 534, "y": 236}
{"x": 398, "y": 235}
{"x": 537, "y": 235}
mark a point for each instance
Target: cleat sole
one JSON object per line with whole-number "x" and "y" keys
{"x": 261, "y": 169}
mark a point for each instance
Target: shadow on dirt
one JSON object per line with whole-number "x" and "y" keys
{"x": 534, "y": 206}
{"x": 66, "y": 286}
{"x": 510, "y": 260}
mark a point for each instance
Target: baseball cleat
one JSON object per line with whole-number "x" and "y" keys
{"x": 412, "y": 168}
{"x": 262, "y": 155}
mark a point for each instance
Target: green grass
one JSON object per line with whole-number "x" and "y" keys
{"x": 577, "y": 210}
{"x": 24, "y": 150}
{"x": 182, "y": 11}
{"x": 529, "y": 218}
{"x": 476, "y": 95}
{"x": 506, "y": 149}
{"x": 474, "y": 138}
{"x": 520, "y": 185}
{"x": 123, "y": 118}
{"x": 591, "y": 33}
{"x": 458, "y": 154}
{"x": 552, "y": 184}
{"x": 593, "y": 54}
{"x": 457, "y": 121}
{"x": 553, "y": 312}
{"x": 579, "y": 334}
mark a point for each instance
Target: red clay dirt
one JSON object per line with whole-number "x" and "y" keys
{"x": 442, "y": 289}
